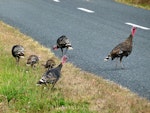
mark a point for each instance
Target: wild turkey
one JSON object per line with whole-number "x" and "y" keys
{"x": 63, "y": 42}
{"x": 52, "y": 75}
{"x": 18, "y": 52}
{"x": 122, "y": 49}
{"x": 32, "y": 60}
{"x": 50, "y": 63}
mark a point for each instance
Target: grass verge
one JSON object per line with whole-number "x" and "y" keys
{"x": 77, "y": 91}
{"x": 136, "y": 3}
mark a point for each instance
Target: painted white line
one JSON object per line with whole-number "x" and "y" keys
{"x": 138, "y": 26}
{"x": 85, "y": 10}
{"x": 56, "y": 0}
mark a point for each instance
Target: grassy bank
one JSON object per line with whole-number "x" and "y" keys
{"x": 137, "y": 3}
{"x": 76, "y": 92}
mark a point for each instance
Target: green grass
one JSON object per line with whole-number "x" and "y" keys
{"x": 76, "y": 91}
{"x": 19, "y": 87}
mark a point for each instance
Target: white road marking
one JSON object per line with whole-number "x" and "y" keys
{"x": 85, "y": 10}
{"x": 138, "y": 26}
{"x": 56, "y": 0}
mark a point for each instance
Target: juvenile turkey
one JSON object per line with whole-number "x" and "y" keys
{"x": 50, "y": 63}
{"x": 122, "y": 49}
{"x": 32, "y": 60}
{"x": 18, "y": 52}
{"x": 62, "y": 42}
{"x": 52, "y": 75}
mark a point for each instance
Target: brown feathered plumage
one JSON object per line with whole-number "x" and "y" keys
{"x": 52, "y": 76}
{"x": 18, "y": 52}
{"x": 122, "y": 49}
{"x": 50, "y": 63}
{"x": 32, "y": 60}
{"x": 63, "y": 42}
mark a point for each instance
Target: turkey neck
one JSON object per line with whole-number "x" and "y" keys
{"x": 129, "y": 39}
{"x": 59, "y": 66}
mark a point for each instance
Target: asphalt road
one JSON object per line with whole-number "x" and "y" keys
{"x": 93, "y": 34}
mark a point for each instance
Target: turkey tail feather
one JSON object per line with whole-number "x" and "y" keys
{"x": 107, "y": 58}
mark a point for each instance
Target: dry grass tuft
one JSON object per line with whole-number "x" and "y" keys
{"x": 145, "y": 4}
{"x": 3, "y": 104}
{"x": 101, "y": 94}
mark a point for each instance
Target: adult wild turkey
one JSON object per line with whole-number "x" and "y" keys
{"x": 52, "y": 75}
{"x": 32, "y": 60}
{"x": 50, "y": 63}
{"x": 18, "y": 52}
{"x": 122, "y": 49}
{"x": 63, "y": 42}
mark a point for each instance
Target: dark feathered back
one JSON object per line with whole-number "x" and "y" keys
{"x": 63, "y": 42}
{"x": 122, "y": 49}
{"x": 17, "y": 52}
{"x": 32, "y": 60}
{"x": 49, "y": 64}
